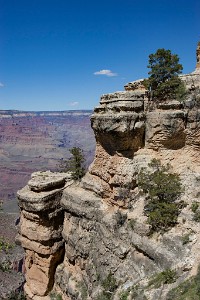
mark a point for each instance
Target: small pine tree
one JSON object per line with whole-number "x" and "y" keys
{"x": 163, "y": 81}
{"x": 75, "y": 164}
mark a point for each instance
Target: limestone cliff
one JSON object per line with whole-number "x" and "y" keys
{"x": 104, "y": 231}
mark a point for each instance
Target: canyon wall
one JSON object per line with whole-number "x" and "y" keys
{"x": 104, "y": 248}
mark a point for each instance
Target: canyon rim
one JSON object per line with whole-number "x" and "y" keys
{"x": 89, "y": 239}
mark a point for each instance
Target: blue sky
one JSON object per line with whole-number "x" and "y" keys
{"x": 61, "y": 54}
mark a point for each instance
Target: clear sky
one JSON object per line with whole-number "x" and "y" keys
{"x": 63, "y": 54}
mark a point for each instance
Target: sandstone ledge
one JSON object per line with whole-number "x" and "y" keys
{"x": 44, "y": 181}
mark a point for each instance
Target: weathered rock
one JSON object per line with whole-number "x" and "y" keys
{"x": 165, "y": 129}
{"x": 98, "y": 232}
{"x": 99, "y": 239}
{"x": 135, "y": 85}
{"x": 129, "y": 127}
{"x": 44, "y": 181}
{"x": 43, "y": 229}
{"x": 105, "y": 227}
{"x": 40, "y": 229}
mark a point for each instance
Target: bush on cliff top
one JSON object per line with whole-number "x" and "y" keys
{"x": 163, "y": 189}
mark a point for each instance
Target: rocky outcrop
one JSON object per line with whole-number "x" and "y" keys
{"x": 40, "y": 229}
{"x": 128, "y": 135}
{"x": 105, "y": 233}
{"x": 101, "y": 240}
{"x": 136, "y": 85}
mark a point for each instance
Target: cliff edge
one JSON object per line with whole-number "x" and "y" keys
{"x": 89, "y": 240}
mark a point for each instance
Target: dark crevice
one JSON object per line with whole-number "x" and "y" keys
{"x": 144, "y": 253}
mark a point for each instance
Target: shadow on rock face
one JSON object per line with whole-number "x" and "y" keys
{"x": 124, "y": 143}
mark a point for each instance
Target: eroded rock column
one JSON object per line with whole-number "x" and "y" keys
{"x": 40, "y": 228}
{"x": 119, "y": 128}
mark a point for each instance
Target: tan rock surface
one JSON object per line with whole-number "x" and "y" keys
{"x": 107, "y": 232}
{"x": 40, "y": 229}
{"x": 42, "y": 181}
{"x": 105, "y": 228}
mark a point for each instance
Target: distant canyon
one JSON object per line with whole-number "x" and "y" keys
{"x": 32, "y": 141}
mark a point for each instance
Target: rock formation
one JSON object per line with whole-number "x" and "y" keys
{"x": 105, "y": 233}
{"x": 40, "y": 229}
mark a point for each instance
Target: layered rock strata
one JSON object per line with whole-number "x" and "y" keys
{"x": 128, "y": 136}
{"x": 105, "y": 229}
{"x": 40, "y": 228}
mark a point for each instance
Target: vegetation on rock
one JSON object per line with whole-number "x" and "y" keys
{"x": 109, "y": 286}
{"x": 16, "y": 295}
{"x": 185, "y": 238}
{"x": 55, "y": 296}
{"x": 5, "y": 266}
{"x": 187, "y": 290}
{"x": 124, "y": 295}
{"x": 165, "y": 277}
{"x": 163, "y": 189}
{"x": 75, "y": 164}
{"x": 83, "y": 290}
{"x": 196, "y": 210}
{"x": 163, "y": 82}
{"x": 4, "y": 245}
{"x": 194, "y": 206}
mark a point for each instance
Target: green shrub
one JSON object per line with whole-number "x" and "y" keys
{"x": 55, "y": 296}
{"x": 196, "y": 210}
{"x": 5, "y": 266}
{"x": 124, "y": 295}
{"x": 160, "y": 183}
{"x": 75, "y": 164}
{"x": 16, "y": 295}
{"x": 120, "y": 218}
{"x": 163, "y": 216}
{"x": 194, "y": 206}
{"x": 109, "y": 283}
{"x": 109, "y": 286}
{"x": 196, "y": 216}
{"x": 138, "y": 292}
{"x": 132, "y": 223}
{"x": 4, "y": 245}
{"x": 163, "y": 189}
{"x": 83, "y": 290}
{"x": 124, "y": 193}
{"x": 187, "y": 290}
{"x": 185, "y": 238}
{"x": 166, "y": 277}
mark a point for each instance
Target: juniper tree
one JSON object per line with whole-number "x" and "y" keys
{"x": 164, "y": 82}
